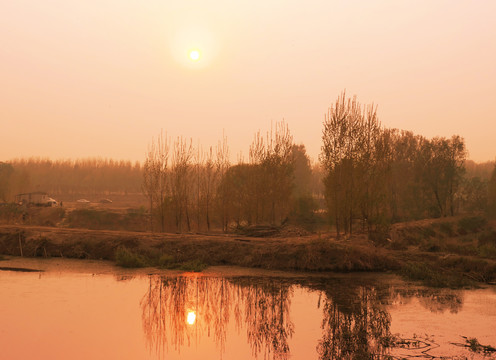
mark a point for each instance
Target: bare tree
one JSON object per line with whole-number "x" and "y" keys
{"x": 180, "y": 183}
{"x": 491, "y": 195}
{"x": 209, "y": 184}
{"x": 272, "y": 163}
{"x": 222, "y": 166}
{"x": 441, "y": 169}
{"x": 155, "y": 178}
{"x": 348, "y": 145}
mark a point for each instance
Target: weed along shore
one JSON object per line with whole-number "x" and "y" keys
{"x": 448, "y": 252}
{"x": 136, "y": 249}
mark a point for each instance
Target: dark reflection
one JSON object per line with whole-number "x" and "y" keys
{"x": 434, "y": 300}
{"x": 355, "y": 324}
{"x": 178, "y": 311}
{"x": 266, "y": 315}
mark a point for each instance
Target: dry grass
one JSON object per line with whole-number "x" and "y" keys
{"x": 433, "y": 256}
{"x": 307, "y": 253}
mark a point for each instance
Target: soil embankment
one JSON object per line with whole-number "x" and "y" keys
{"x": 306, "y": 253}
{"x": 450, "y": 252}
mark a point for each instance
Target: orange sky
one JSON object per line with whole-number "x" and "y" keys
{"x": 101, "y": 78}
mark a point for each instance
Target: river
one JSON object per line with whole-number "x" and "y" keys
{"x": 94, "y": 311}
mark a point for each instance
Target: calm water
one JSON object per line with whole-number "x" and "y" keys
{"x": 59, "y": 315}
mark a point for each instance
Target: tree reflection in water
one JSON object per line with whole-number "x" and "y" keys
{"x": 262, "y": 307}
{"x": 267, "y": 308}
{"x": 177, "y": 311}
{"x": 353, "y": 325}
{"x": 356, "y": 324}
{"x": 434, "y": 300}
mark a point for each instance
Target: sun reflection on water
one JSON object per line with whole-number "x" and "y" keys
{"x": 191, "y": 318}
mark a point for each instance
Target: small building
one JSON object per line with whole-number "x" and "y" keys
{"x": 35, "y": 198}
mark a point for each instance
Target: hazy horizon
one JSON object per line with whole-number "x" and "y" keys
{"x": 83, "y": 80}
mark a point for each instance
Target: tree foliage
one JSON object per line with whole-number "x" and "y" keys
{"x": 378, "y": 175}
{"x": 491, "y": 198}
{"x": 92, "y": 176}
{"x": 6, "y": 171}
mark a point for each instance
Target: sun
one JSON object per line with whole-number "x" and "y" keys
{"x": 194, "y": 55}
{"x": 191, "y": 318}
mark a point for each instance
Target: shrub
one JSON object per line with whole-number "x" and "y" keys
{"x": 413, "y": 239}
{"x": 129, "y": 259}
{"x": 460, "y": 249}
{"x": 398, "y": 245}
{"x": 10, "y": 213}
{"x": 431, "y": 276}
{"x": 166, "y": 262}
{"x": 447, "y": 228}
{"x": 488, "y": 238}
{"x": 193, "y": 265}
{"x": 427, "y": 232}
{"x": 133, "y": 219}
{"x": 471, "y": 224}
{"x": 431, "y": 245}
{"x": 488, "y": 251}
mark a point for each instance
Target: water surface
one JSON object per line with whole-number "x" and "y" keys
{"x": 76, "y": 315}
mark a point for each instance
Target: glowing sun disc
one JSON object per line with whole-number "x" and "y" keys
{"x": 191, "y": 318}
{"x": 194, "y": 55}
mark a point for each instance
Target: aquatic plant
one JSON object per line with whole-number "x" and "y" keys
{"x": 475, "y": 346}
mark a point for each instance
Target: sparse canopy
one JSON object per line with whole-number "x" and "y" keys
{"x": 375, "y": 176}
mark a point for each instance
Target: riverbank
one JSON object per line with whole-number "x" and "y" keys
{"x": 302, "y": 253}
{"x": 418, "y": 250}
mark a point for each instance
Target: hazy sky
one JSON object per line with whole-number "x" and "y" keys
{"x": 102, "y": 78}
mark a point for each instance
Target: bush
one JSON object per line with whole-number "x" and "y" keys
{"x": 461, "y": 249}
{"x": 471, "y": 224}
{"x": 488, "y": 238}
{"x": 193, "y": 265}
{"x": 431, "y": 276}
{"x": 427, "y": 232}
{"x": 431, "y": 245}
{"x": 166, "y": 262}
{"x": 447, "y": 228}
{"x": 10, "y": 213}
{"x": 133, "y": 220}
{"x": 488, "y": 251}
{"x": 129, "y": 259}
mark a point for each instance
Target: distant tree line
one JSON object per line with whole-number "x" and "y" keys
{"x": 375, "y": 176}
{"x": 368, "y": 177}
{"x": 62, "y": 177}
